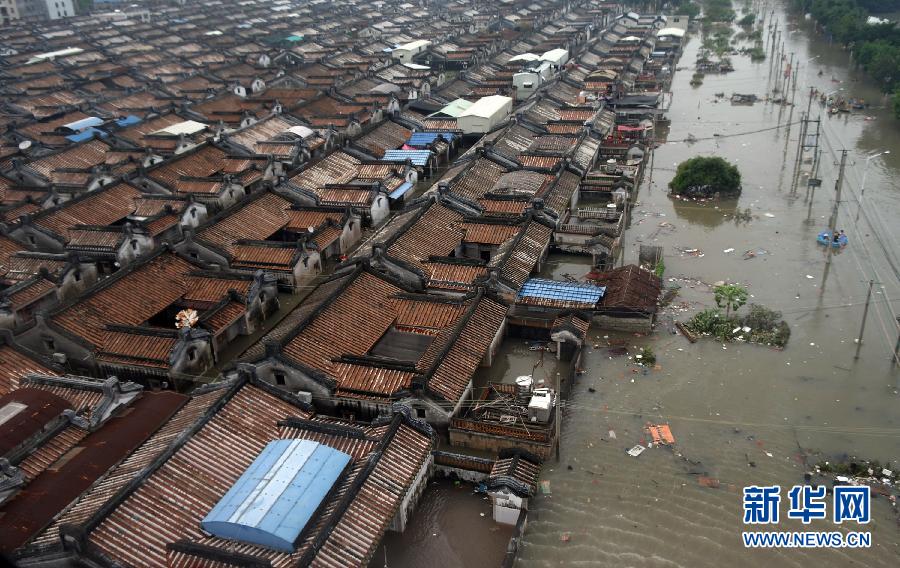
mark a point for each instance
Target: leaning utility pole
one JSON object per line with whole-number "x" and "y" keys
{"x": 798, "y": 159}
{"x": 556, "y": 418}
{"x": 862, "y": 328}
{"x": 895, "y": 360}
{"x": 837, "y": 200}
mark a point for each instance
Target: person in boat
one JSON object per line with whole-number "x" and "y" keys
{"x": 837, "y": 236}
{"x": 820, "y": 73}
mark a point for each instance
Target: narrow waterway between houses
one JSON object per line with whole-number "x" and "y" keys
{"x": 741, "y": 414}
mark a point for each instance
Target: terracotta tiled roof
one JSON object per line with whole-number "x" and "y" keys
{"x": 366, "y": 307}
{"x": 337, "y": 167}
{"x": 478, "y": 179}
{"x": 356, "y": 379}
{"x": 89, "y": 502}
{"x": 101, "y": 207}
{"x": 25, "y": 293}
{"x": 436, "y": 233}
{"x": 80, "y": 157}
{"x": 386, "y": 136}
{"x": 422, "y": 316}
{"x": 131, "y": 348}
{"x": 521, "y": 259}
{"x": 181, "y": 172}
{"x": 8, "y": 248}
{"x": 489, "y": 234}
{"x": 169, "y": 505}
{"x": 262, "y": 256}
{"x": 158, "y": 282}
{"x": 539, "y": 161}
{"x": 225, "y": 316}
{"x": 451, "y": 276}
{"x": 503, "y": 207}
{"x": 456, "y": 368}
{"x": 256, "y": 218}
{"x": 15, "y": 365}
{"x": 303, "y": 219}
{"x": 351, "y": 197}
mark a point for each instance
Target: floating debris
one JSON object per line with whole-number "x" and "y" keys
{"x": 661, "y": 433}
{"x": 710, "y": 482}
{"x": 636, "y": 451}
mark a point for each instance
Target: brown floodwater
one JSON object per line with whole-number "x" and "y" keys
{"x": 450, "y": 527}
{"x": 743, "y": 414}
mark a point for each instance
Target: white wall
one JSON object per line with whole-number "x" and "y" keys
{"x": 60, "y": 9}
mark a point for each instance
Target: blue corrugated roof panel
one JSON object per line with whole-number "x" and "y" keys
{"x": 401, "y": 190}
{"x": 86, "y": 134}
{"x": 274, "y": 499}
{"x": 418, "y": 157}
{"x": 84, "y": 123}
{"x": 128, "y": 120}
{"x": 587, "y": 294}
{"x": 422, "y": 139}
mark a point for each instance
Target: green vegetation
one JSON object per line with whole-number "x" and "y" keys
{"x": 660, "y": 268}
{"x": 717, "y": 11}
{"x": 731, "y": 296}
{"x": 718, "y": 41}
{"x": 646, "y": 357}
{"x": 746, "y": 21}
{"x": 686, "y": 8}
{"x": 877, "y": 47}
{"x": 756, "y": 54}
{"x": 896, "y": 101}
{"x": 705, "y": 176}
{"x": 765, "y": 326}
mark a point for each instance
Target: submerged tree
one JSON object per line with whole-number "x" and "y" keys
{"x": 731, "y": 297}
{"x": 704, "y": 176}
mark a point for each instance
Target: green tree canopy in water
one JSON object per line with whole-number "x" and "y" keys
{"x": 704, "y": 176}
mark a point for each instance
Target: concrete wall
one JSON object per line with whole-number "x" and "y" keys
{"x": 489, "y": 442}
{"x": 633, "y": 325}
{"x": 411, "y": 499}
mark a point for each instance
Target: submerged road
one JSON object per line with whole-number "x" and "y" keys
{"x": 741, "y": 414}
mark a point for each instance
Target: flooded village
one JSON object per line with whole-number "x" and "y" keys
{"x": 517, "y": 283}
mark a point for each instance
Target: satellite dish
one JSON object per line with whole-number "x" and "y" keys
{"x": 310, "y": 229}
{"x": 24, "y": 144}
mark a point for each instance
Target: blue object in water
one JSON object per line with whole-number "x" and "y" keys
{"x": 826, "y": 238}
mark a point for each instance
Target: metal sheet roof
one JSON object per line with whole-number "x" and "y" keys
{"x": 418, "y": 157}
{"x": 87, "y": 122}
{"x": 455, "y": 108}
{"x": 274, "y": 499}
{"x": 425, "y": 138}
{"x": 489, "y": 106}
{"x": 562, "y": 291}
{"x": 401, "y": 190}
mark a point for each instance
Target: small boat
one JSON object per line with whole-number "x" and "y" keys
{"x": 825, "y": 238}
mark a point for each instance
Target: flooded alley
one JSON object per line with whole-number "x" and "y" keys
{"x": 741, "y": 414}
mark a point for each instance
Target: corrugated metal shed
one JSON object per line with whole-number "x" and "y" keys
{"x": 401, "y": 190}
{"x": 568, "y": 292}
{"x": 422, "y": 139}
{"x": 270, "y": 504}
{"x": 418, "y": 157}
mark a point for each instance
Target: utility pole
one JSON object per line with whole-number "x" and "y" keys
{"x": 837, "y": 200}
{"x": 557, "y": 417}
{"x": 799, "y": 157}
{"x": 895, "y": 360}
{"x": 862, "y": 328}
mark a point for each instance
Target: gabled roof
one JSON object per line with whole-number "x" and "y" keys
{"x": 102, "y": 207}
{"x": 202, "y": 464}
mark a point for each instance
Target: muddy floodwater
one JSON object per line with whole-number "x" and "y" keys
{"x": 742, "y": 414}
